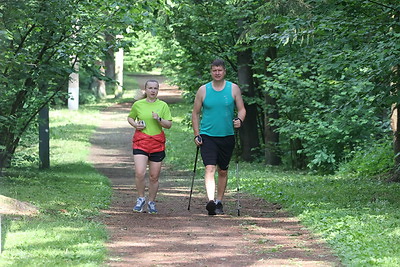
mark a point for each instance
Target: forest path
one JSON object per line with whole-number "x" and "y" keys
{"x": 263, "y": 235}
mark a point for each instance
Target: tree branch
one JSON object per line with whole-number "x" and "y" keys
{"x": 383, "y": 5}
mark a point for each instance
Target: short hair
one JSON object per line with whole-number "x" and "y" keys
{"x": 218, "y": 62}
{"x": 151, "y": 81}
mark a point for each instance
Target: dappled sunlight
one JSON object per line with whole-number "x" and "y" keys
{"x": 59, "y": 244}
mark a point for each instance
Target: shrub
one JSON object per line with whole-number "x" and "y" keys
{"x": 371, "y": 160}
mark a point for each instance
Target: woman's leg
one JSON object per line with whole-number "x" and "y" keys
{"x": 154, "y": 171}
{"x": 140, "y": 172}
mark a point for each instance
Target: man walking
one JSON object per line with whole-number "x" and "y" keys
{"x": 215, "y": 102}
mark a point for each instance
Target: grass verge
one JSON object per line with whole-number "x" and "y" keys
{"x": 358, "y": 217}
{"x": 70, "y": 195}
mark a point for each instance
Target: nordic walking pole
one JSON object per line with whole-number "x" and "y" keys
{"x": 194, "y": 174}
{"x": 237, "y": 188}
{"x": 237, "y": 173}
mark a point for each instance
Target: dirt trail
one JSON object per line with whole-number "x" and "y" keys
{"x": 263, "y": 236}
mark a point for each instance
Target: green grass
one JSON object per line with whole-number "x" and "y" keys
{"x": 358, "y": 216}
{"x": 70, "y": 194}
{"x": 180, "y": 146}
{"x": 130, "y": 84}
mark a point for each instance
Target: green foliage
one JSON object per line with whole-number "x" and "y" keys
{"x": 193, "y": 44}
{"x": 144, "y": 53}
{"x": 327, "y": 59}
{"x": 338, "y": 56}
{"x": 338, "y": 115}
{"x": 38, "y": 40}
{"x": 87, "y": 97}
{"x": 181, "y": 149}
{"x": 374, "y": 159}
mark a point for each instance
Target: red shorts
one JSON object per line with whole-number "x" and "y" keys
{"x": 148, "y": 143}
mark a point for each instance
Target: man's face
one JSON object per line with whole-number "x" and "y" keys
{"x": 218, "y": 73}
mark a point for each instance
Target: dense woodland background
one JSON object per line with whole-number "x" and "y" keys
{"x": 320, "y": 81}
{"x": 320, "y": 78}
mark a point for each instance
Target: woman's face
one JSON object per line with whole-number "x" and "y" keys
{"x": 151, "y": 90}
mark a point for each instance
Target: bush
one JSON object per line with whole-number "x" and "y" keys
{"x": 87, "y": 97}
{"x": 372, "y": 160}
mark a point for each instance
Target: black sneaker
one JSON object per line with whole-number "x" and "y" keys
{"x": 219, "y": 208}
{"x": 211, "y": 207}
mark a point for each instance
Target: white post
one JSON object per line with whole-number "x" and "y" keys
{"x": 119, "y": 70}
{"x": 73, "y": 89}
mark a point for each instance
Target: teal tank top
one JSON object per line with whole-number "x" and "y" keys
{"x": 218, "y": 111}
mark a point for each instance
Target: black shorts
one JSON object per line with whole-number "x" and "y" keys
{"x": 155, "y": 157}
{"x": 217, "y": 150}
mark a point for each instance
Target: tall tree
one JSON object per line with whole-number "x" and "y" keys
{"x": 330, "y": 57}
{"x": 311, "y": 59}
{"x": 37, "y": 38}
{"x": 395, "y": 83}
{"x": 199, "y": 43}
{"x": 249, "y": 134}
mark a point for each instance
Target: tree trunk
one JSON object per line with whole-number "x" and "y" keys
{"x": 272, "y": 154}
{"x": 271, "y": 135}
{"x": 44, "y": 138}
{"x": 249, "y": 136}
{"x": 98, "y": 86}
{"x": 298, "y": 160}
{"x": 4, "y": 160}
{"x": 110, "y": 63}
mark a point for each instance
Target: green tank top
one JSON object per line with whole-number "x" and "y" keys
{"x": 218, "y": 111}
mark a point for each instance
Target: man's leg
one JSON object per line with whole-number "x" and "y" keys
{"x": 210, "y": 187}
{"x": 222, "y": 182}
{"x": 210, "y": 181}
